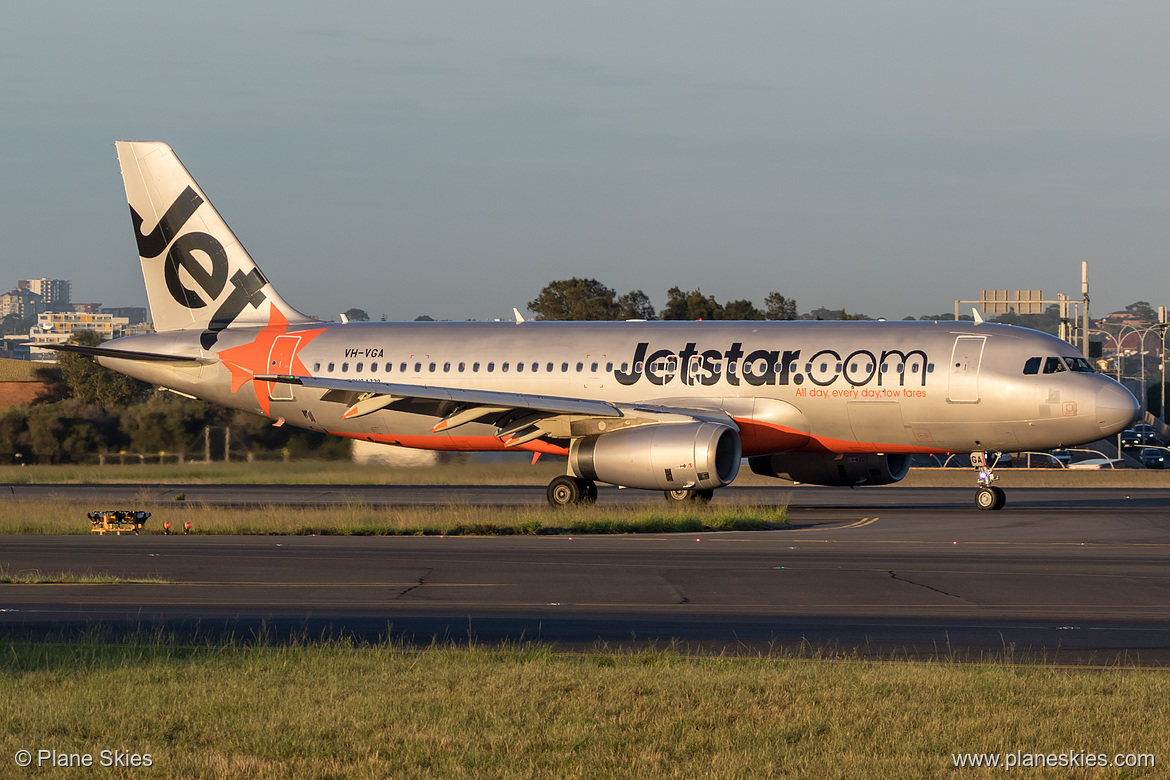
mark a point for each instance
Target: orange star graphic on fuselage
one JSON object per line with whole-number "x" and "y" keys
{"x": 256, "y": 357}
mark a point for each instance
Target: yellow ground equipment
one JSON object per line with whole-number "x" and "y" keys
{"x": 117, "y": 520}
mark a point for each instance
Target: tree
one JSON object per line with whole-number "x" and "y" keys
{"x": 576, "y": 299}
{"x": 635, "y": 305}
{"x": 357, "y": 315}
{"x": 14, "y": 326}
{"x": 777, "y": 307}
{"x": 89, "y": 382}
{"x": 1143, "y": 311}
{"x": 741, "y": 310}
{"x": 691, "y": 305}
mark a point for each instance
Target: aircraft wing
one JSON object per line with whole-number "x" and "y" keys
{"x": 518, "y": 417}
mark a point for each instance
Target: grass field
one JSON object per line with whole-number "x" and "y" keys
{"x": 335, "y": 710}
{"x": 64, "y": 517}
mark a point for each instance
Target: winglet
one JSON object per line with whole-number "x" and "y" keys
{"x": 519, "y": 316}
{"x": 978, "y": 317}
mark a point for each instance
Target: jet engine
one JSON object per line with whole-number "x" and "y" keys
{"x": 833, "y": 469}
{"x": 669, "y": 456}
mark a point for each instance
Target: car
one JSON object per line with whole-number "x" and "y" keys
{"x": 1147, "y": 432}
{"x": 1093, "y": 464}
{"x": 1153, "y": 457}
{"x": 1130, "y": 439}
{"x": 1063, "y": 456}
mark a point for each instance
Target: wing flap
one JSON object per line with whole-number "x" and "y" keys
{"x": 456, "y": 395}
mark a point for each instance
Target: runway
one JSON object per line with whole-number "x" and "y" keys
{"x": 1073, "y": 575}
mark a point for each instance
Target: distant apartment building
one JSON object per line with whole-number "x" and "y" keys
{"x": 23, "y": 303}
{"x": 55, "y": 327}
{"x": 86, "y": 308}
{"x": 55, "y": 293}
{"x": 136, "y": 314}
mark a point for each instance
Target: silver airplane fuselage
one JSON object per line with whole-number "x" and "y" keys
{"x": 841, "y": 387}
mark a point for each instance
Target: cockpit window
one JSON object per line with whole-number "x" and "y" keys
{"x": 1080, "y": 365}
{"x": 1033, "y": 365}
{"x": 1053, "y": 365}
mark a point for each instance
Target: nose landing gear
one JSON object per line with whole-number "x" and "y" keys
{"x": 987, "y": 496}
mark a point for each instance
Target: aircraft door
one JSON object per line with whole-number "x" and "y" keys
{"x": 280, "y": 360}
{"x": 964, "y": 373}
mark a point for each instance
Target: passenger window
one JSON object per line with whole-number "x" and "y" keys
{"x": 519, "y": 367}
{"x": 331, "y": 368}
{"x": 316, "y": 367}
{"x": 418, "y": 368}
{"x": 1053, "y": 365}
{"x": 389, "y": 367}
{"x": 359, "y": 367}
{"x": 548, "y": 367}
{"x": 930, "y": 368}
{"x": 432, "y": 368}
{"x": 536, "y": 366}
{"x": 446, "y": 367}
{"x": 344, "y": 367}
{"x": 580, "y": 367}
{"x": 491, "y": 367}
{"x": 462, "y": 366}
{"x": 608, "y": 367}
{"x": 504, "y": 366}
{"x": 1032, "y": 366}
{"x": 475, "y": 367}
{"x": 402, "y": 368}
{"x": 593, "y": 368}
{"x": 564, "y": 367}
{"x": 625, "y": 368}
{"x": 638, "y": 367}
{"x": 373, "y": 368}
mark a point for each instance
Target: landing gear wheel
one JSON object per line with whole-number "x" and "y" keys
{"x": 990, "y": 498}
{"x": 569, "y": 491}
{"x": 987, "y": 497}
{"x": 689, "y": 496}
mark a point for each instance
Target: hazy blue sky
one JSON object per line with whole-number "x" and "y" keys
{"x": 451, "y": 158}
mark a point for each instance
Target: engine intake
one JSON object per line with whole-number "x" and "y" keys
{"x": 832, "y": 469}
{"x": 670, "y": 456}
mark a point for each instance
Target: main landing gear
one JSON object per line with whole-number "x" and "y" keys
{"x": 684, "y": 496}
{"x": 571, "y": 491}
{"x": 987, "y": 496}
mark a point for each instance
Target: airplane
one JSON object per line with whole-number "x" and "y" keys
{"x": 666, "y": 406}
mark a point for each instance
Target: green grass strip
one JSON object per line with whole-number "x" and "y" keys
{"x": 346, "y": 710}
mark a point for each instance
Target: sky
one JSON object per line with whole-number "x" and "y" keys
{"x": 449, "y": 159}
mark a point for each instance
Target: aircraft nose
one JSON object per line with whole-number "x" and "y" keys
{"x": 1116, "y": 408}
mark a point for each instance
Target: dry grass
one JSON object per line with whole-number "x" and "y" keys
{"x": 322, "y": 472}
{"x": 338, "y": 710}
{"x": 63, "y": 517}
{"x": 38, "y": 577}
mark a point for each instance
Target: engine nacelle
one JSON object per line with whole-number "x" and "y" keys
{"x": 832, "y": 469}
{"x": 670, "y": 456}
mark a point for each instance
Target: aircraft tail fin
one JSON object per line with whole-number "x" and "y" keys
{"x": 198, "y": 275}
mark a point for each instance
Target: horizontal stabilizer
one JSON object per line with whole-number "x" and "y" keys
{"x": 126, "y": 354}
